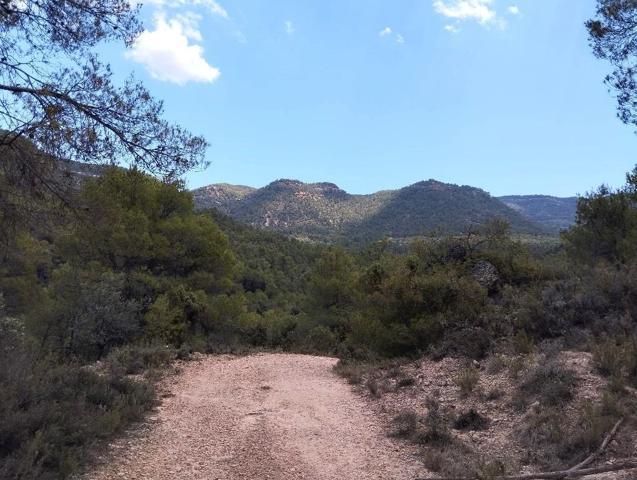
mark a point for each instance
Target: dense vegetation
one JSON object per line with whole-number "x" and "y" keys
{"x": 134, "y": 276}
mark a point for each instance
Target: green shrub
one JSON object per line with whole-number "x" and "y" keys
{"x": 133, "y": 359}
{"x": 450, "y": 461}
{"x": 522, "y": 343}
{"x": 405, "y": 381}
{"x": 351, "y": 370}
{"x": 491, "y": 470}
{"x": 494, "y": 394}
{"x": 617, "y": 358}
{"x": 436, "y": 426}
{"x": 471, "y": 420}
{"x": 52, "y": 412}
{"x": 467, "y": 380}
{"x": 374, "y": 387}
{"x": 322, "y": 340}
{"x": 592, "y": 426}
{"x": 609, "y": 358}
{"x": 496, "y": 364}
{"x": 516, "y": 366}
{"x": 550, "y": 382}
{"x": 405, "y": 424}
{"x": 86, "y": 314}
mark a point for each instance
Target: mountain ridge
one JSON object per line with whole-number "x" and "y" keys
{"x": 324, "y": 211}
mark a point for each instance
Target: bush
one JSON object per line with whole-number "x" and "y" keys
{"x": 133, "y": 359}
{"x": 374, "y": 388}
{"x": 405, "y": 381}
{"x": 471, "y": 420}
{"x": 322, "y": 340}
{"x": 451, "y": 461}
{"x": 405, "y": 424}
{"x": 436, "y": 431}
{"x": 522, "y": 343}
{"x": 467, "y": 380}
{"x": 609, "y": 358}
{"x": 86, "y": 315}
{"x": 553, "y": 445}
{"x": 52, "y": 412}
{"x": 552, "y": 383}
{"x": 617, "y": 358}
{"x": 351, "y": 370}
{"x": 496, "y": 364}
{"x": 593, "y": 424}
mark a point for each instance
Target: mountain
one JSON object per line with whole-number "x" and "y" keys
{"x": 323, "y": 211}
{"x": 555, "y": 213}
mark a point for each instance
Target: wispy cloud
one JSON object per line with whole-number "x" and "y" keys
{"x": 289, "y": 27}
{"x": 168, "y": 54}
{"x": 384, "y": 32}
{"x": 400, "y": 39}
{"x": 452, "y": 28}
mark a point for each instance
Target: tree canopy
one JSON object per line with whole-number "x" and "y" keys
{"x": 613, "y": 36}
{"x": 56, "y": 92}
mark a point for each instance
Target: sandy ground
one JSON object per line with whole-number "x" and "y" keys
{"x": 266, "y": 416}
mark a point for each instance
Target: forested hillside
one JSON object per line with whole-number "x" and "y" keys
{"x": 133, "y": 276}
{"x": 322, "y": 211}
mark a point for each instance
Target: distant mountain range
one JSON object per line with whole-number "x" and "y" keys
{"x": 553, "y": 213}
{"x": 322, "y": 211}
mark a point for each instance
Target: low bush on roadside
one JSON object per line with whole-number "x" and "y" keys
{"x": 374, "y": 387}
{"x": 51, "y": 412}
{"x": 134, "y": 359}
{"x": 350, "y": 370}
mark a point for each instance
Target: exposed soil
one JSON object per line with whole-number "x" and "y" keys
{"x": 431, "y": 379}
{"x": 266, "y": 416}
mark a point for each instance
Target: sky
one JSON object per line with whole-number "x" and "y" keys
{"x": 504, "y": 95}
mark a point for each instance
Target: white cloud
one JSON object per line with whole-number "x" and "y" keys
{"x": 452, "y": 28}
{"x": 384, "y": 32}
{"x": 289, "y": 28}
{"x": 214, "y": 7}
{"x": 478, "y": 10}
{"x": 513, "y": 10}
{"x": 168, "y": 55}
{"x": 400, "y": 39}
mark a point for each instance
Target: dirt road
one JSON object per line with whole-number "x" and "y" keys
{"x": 267, "y": 416}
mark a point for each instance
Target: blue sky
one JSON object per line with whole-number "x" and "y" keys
{"x": 379, "y": 94}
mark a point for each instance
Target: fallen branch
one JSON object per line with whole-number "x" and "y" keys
{"x": 597, "y": 452}
{"x": 627, "y": 464}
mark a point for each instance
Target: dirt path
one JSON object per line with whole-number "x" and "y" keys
{"x": 268, "y": 416}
